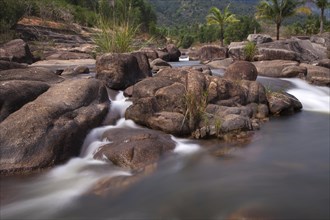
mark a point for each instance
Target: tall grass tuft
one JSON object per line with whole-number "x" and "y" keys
{"x": 250, "y": 51}
{"x": 115, "y": 38}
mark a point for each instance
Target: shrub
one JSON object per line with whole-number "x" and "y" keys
{"x": 250, "y": 50}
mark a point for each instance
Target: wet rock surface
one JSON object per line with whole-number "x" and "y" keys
{"x": 51, "y": 129}
{"x": 134, "y": 148}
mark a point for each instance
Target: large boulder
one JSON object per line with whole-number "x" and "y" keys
{"x": 259, "y": 38}
{"x": 211, "y": 52}
{"x": 221, "y": 64}
{"x": 174, "y": 52}
{"x": 32, "y": 74}
{"x": 52, "y": 128}
{"x": 134, "y": 148}
{"x": 322, "y": 39}
{"x": 275, "y": 54}
{"x": 16, "y": 50}
{"x": 236, "y": 50}
{"x": 16, "y": 93}
{"x": 292, "y": 49}
{"x": 317, "y": 75}
{"x": 283, "y": 103}
{"x": 241, "y": 70}
{"x": 275, "y": 68}
{"x": 120, "y": 71}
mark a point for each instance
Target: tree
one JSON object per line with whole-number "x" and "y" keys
{"x": 222, "y": 19}
{"x": 277, "y": 11}
{"x": 322, "y": 5}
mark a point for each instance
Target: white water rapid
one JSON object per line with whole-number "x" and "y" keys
{"x": 313, "y": 98}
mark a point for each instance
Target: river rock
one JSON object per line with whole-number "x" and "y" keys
{"x": 149, "y": 52}
{"x": 294, "y": 71}
{"x": 174, "y": 52}
{"x": 275, "y": 54}
{"x": 134, "y": 148}
{"x": 241, "y": 70}
{"x": 324, "y": 63}
{"x": 322, "y": 39}
{"x": 221, "y": 64}
{"x": 293, "y": 49}
{"x": 211, "y": 52}
{"x": 274, "y": 68}
{"x": 6, "y": 65}
{"x": 54, "y": 125}
{"x": 16, "y": 50}
{"x": 67, "y": 55}
{"x": 158, "y": 64}
{"x": 120, "y": 71}
{"x": 16, "y": 93}
{"x": 31, "y": 74}
{"x": 236, "y": 50}
{"x": 259, "y": 38}
{"x": 175, "y": 101}
{"x": 74, "y": 70}
{"x": 317, "y": 75}
{"x": 283, "y": 103}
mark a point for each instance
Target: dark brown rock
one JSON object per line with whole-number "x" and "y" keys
{"x": 317, "y": 75}
{"x": 158, "y": 64}
{"x": 174, "y": 52}
{"x": 283, "y": 103}
{"x": 241, "y": 70}
{"x": 275, "y": 54}
{"x": 16, "y": 93}
{"x": 31, "y": 74}
{"x": 6, "y": 65}
{"x": 149, "y": 52}
{"x": 119, "y": 71}
{"x": 16, "y": 50}
{"x": 211, "y": 52}
{"x": 135, "y": 148}
{"x": 274, "y": 68}
{"x": 52, "y": 128}
{"x": 255, "y": 92}
{"x": 324, "y": 63}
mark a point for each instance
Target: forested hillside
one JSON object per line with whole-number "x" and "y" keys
{"x": 172, "y": 12}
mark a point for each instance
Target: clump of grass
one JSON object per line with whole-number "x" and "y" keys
{"x": 250, "y": 50}
{"x": 195, "y": 107}
{"x": 115, "y": 38}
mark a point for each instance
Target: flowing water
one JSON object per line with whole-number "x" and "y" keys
{"x": 283, "y": 173}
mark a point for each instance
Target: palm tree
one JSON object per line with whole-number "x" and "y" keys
{"x": 277, "y": 11}
{"x": 217, "y": 17}
{"x": 322, "y": 5}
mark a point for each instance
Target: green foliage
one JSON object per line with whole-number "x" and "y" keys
{"x": 277, "y": 11}
{"x": 186, "y": 41}
{"x": 250, "y": 50}
{"x": 221, "y": 19}
{"x": 195, "y": 107}
{"x": 309, "y": 26}
{"x": 114, "y": 37}
{"x": 239, "y": 31}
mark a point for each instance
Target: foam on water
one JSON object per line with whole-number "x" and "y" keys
{"x": 184, "y": 147}
{"x": 120, "y": 104}
{"x": 313, "y": 98}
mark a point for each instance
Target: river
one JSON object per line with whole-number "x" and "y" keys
{"x": 283, "y": 173}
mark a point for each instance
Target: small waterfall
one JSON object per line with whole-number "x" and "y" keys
{"x": 313, "y": 98}
{"x": 58, "y": 188}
